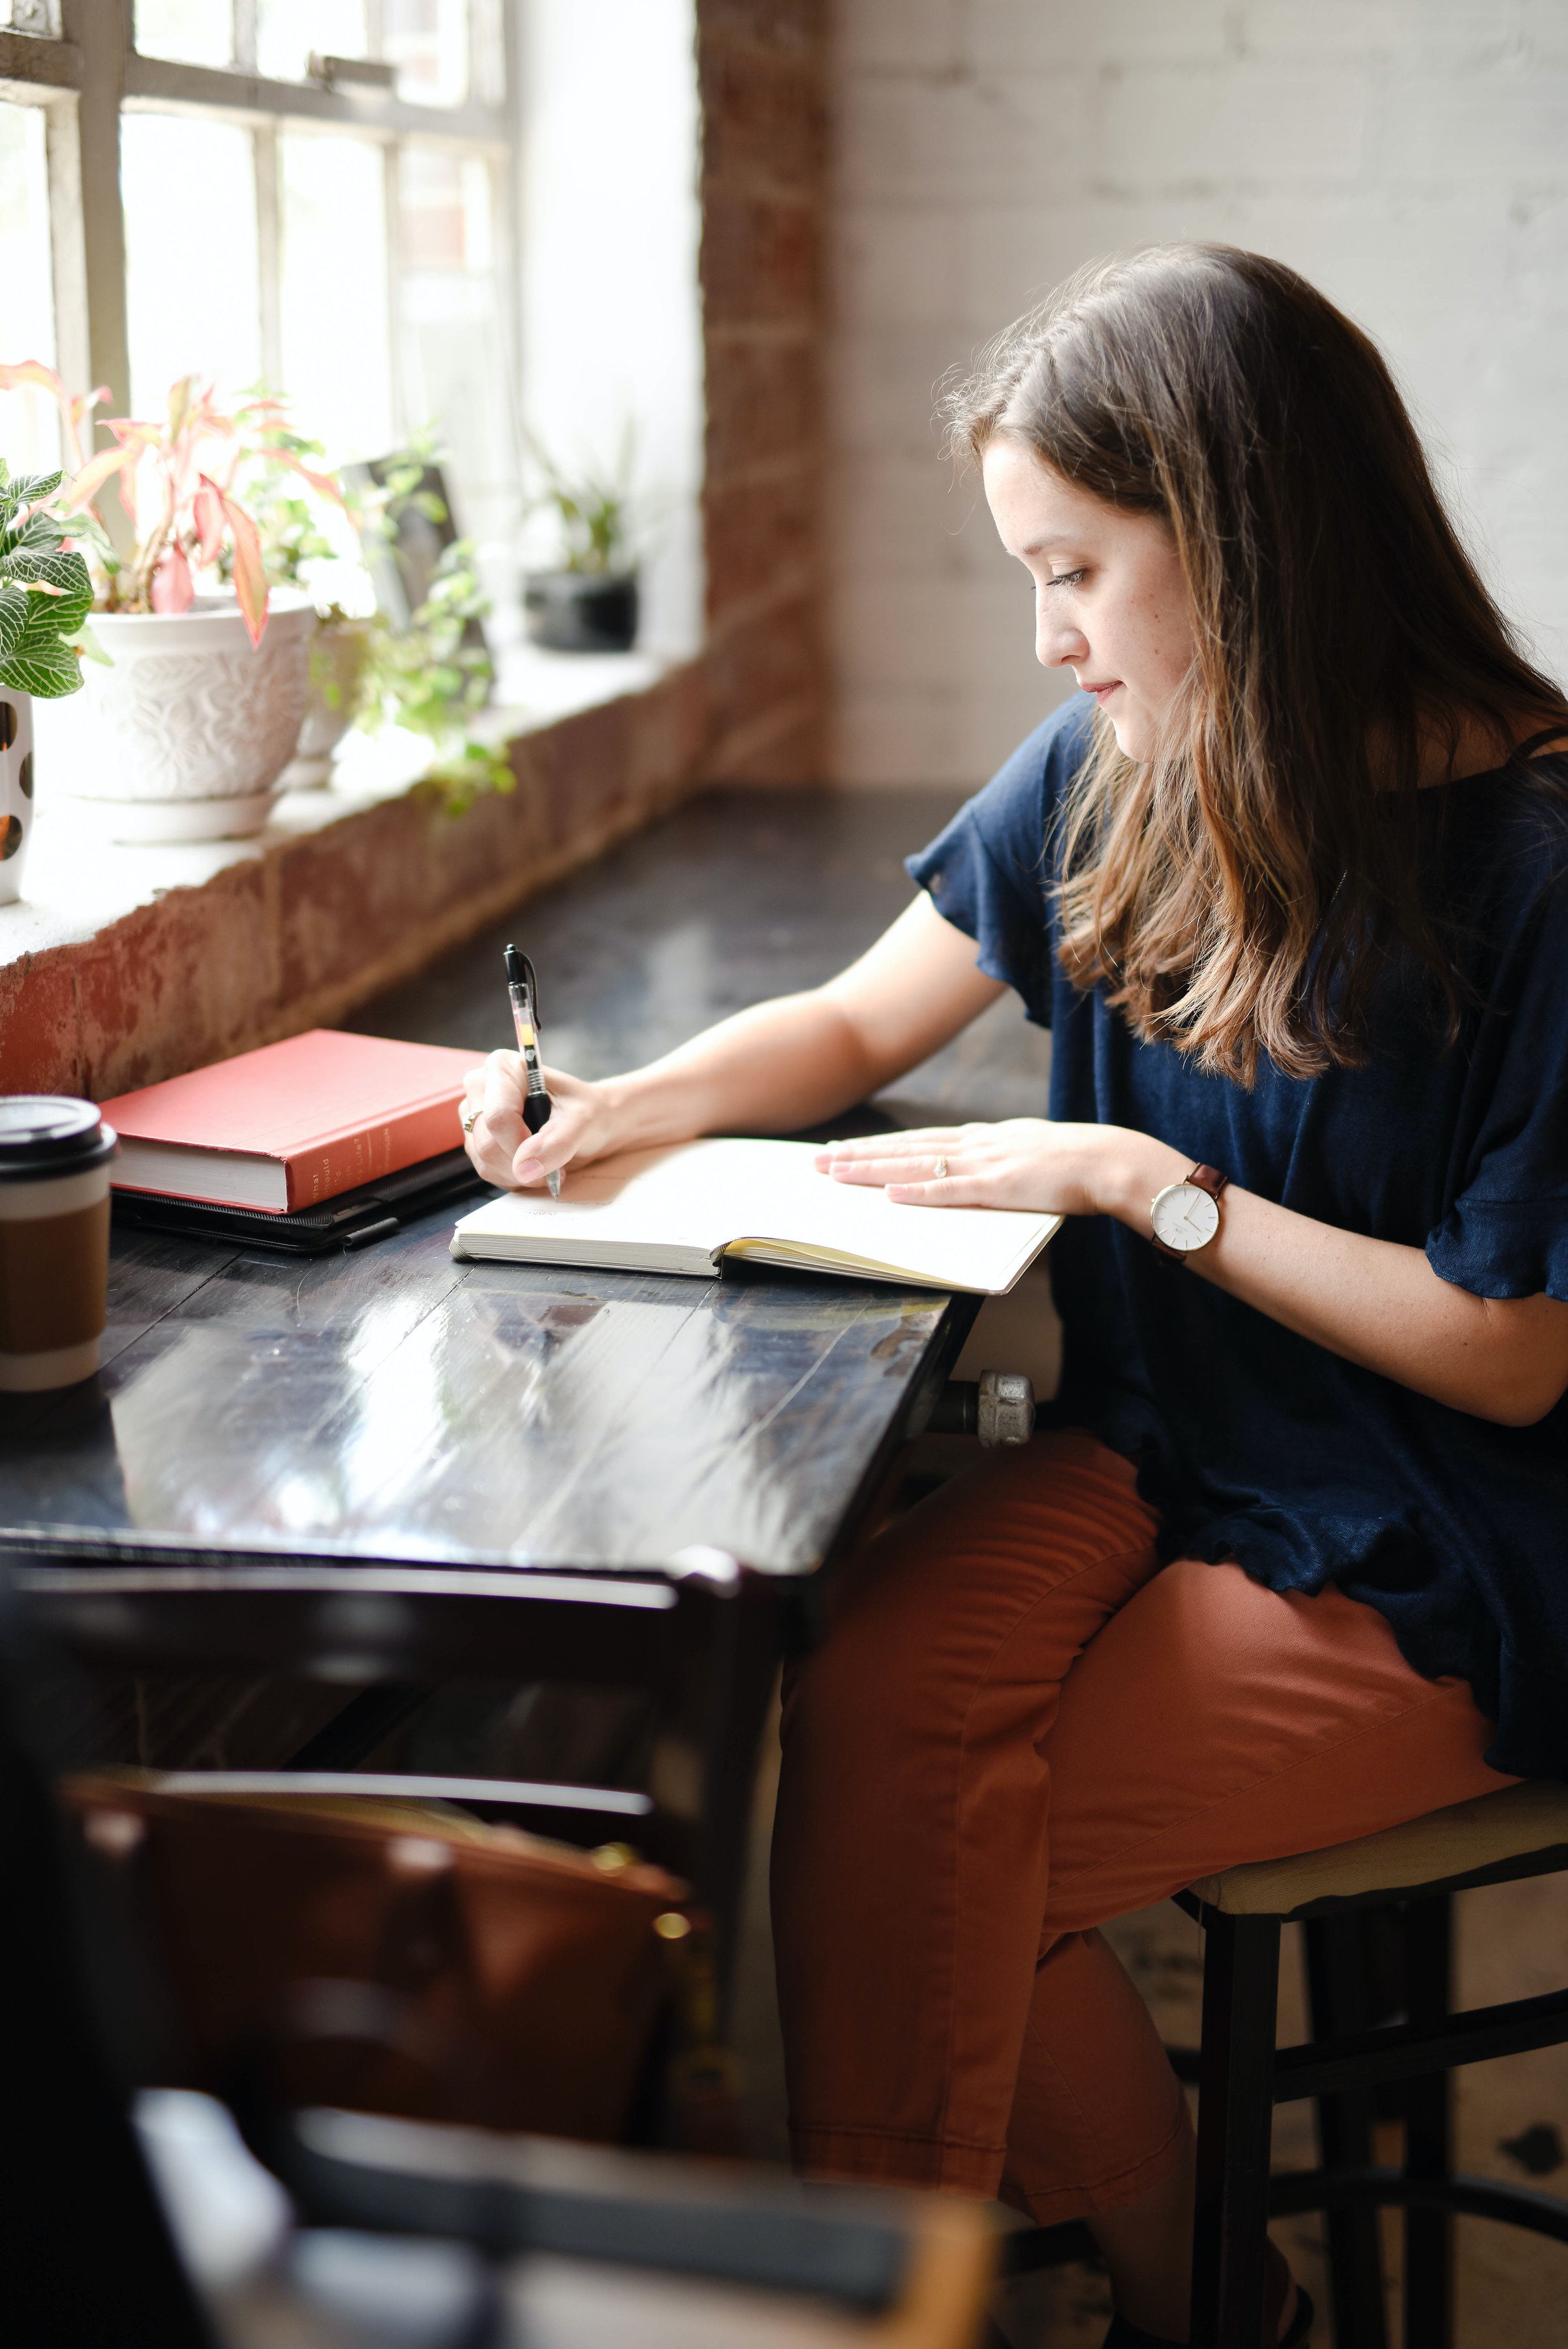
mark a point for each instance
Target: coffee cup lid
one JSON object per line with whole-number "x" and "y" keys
{"x": 49, "y": 1133}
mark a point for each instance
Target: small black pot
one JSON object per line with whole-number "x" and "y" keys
{"x": 575, "y": 612}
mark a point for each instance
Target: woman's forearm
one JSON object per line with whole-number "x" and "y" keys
{"x": 803, "y": 1059}
{"x": 771, "y": 1069}
{"x": 796, "y": 1062}
{"x": 1373, "y": 1301}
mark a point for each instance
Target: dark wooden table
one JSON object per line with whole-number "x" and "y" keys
{"x": 391, "y": 1468}
{"x": 396, "y": 1406}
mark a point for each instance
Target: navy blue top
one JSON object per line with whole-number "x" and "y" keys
{"x": 1258, "y": 1444}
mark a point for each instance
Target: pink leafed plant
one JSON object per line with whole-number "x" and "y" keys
{"x": 175, "y": 480}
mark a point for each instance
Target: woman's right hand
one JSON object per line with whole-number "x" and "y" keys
{"x": 581, "y": 1123}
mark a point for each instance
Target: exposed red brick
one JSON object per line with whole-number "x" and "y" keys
{"x": 183, "y": 980}
{"x": 765, "y": 401}
{"x": 790, "y": 26}
{"x": 40, "y": 1042}
{"x": 345, "y": 891}
{"x": 768, "y": 661}
{"x": 666, "y": 746}
{"x": 583, "y": 768}
{"x": 759, "y": 534}
{"x": 762, "y": 118}
{"x": 794, "y": 756}
{"x": 764, "y": 84}
{"x": 760, "y": 261}
{"x": 499, "y": 835}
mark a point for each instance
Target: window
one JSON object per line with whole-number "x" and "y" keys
{"x": 315, "y": 194}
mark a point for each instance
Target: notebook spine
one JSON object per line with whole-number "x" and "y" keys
{"x": 324, "y": 1169}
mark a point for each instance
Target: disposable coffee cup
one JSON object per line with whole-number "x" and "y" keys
{"x": 55, "y": 1158}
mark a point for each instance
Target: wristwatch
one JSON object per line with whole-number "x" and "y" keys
{"x": 1185, "y": 1214}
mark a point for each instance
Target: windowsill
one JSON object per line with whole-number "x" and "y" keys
{"x": 78, "y": 883}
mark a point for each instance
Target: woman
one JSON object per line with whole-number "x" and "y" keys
{"x": 1284, "y": 880}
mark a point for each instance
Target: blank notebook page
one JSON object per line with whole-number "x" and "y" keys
{"x": 762, "y": 1199}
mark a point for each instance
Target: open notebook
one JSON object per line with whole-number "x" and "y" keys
{"x": 681, "y": 1209}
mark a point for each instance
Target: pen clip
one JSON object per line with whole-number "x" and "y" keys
{"x": 532, "y": 985}
{"x": 521, "y": 981}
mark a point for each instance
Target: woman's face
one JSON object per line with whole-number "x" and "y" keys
{"x": 1110, "y": 602}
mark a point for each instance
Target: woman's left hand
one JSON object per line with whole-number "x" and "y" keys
{"x": 1023, "y": 1161}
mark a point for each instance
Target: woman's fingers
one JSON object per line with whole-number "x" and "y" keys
{"x": 943, "y": 1190}
{"x": 912, "y": 1167}
{"x": 927, "y": 1142}
{"x": 561, "y": 1138}
{"x": 495, "y": 1093}
{"x": 498, "y": 1143}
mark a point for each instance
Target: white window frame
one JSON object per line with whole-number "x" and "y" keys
{"x": 85, "y": 79}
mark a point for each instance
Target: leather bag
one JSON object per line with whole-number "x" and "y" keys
{"x": 396, "y": 1957}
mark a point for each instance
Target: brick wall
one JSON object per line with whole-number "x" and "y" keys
{"x": 762, "y": 68}
{"x": 1407, "y": 155}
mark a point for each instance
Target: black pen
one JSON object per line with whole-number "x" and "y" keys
{"x": 523, "y": 988}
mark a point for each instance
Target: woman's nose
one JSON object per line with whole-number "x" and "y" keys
{"x": 1056, "y": 645}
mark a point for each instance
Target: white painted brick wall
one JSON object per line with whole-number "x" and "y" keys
{"x": 1409, "y": 156}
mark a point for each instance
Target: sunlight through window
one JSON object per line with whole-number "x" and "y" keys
{"x": 337, "y": 357}
{"x": 29, "y": 432}
{"x": 191, "y": 32}
{"x": 288, "y": 31}
{"x": 427, "y": 40}
{"x": 189, "y": 187}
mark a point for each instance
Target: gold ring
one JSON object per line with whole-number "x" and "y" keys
{"x": 942, "y": 1170}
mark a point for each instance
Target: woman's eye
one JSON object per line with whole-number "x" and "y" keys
{"x": 1065, "y": 579}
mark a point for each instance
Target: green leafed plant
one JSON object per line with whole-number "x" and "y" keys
{"x": 592, "y": 510}
{"x": 45, "y": 588}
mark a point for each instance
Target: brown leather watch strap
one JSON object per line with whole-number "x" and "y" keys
{"x": 1203, "y": 1178}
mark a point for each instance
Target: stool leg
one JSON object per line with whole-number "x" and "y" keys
{"x": 1428, "y": 2234}
{"x": 1235, "y": 2110}
{"x": 1336, "y": 1995}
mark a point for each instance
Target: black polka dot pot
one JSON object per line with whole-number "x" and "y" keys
{"x": 16, "y": 802}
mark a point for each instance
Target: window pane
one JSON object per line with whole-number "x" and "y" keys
{"x": 29, "y": 432}
{"x": 193, "y": 32}
{"x": 427, "y": 40}
{"x": 288, "y": 31}
{"x": 455, "y": 370}
{"x": 192, "y": 285}
{"x": 337, "y": 365}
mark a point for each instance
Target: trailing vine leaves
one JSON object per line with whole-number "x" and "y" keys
{"x": 433, "y": 677}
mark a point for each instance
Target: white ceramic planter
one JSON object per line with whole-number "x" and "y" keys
{"x": 16, "y": 789}
{"x": 186, "y": 736}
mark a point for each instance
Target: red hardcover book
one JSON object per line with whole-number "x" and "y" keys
{"x": 293, "y": 1123}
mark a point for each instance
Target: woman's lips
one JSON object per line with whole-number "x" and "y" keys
{"x": 1103, "y": 693}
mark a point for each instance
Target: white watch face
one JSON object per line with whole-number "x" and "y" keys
{"x": 1185, "y": 1218}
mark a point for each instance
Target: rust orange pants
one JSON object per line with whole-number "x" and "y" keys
{"x": 1018, "y": 1726}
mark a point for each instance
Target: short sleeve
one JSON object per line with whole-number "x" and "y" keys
{"x": 1506, "y": 1234}
{"x": 988, "y": 873}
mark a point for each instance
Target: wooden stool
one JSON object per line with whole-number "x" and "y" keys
{"x": 1414, "y": 1869}
{"x": 1407, "y": 1876}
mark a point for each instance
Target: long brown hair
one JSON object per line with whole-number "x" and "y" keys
{"x": 1240, "y": 892}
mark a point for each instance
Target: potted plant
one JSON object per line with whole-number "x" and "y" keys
{"x": 183, "y": 731}
{"x": 300, "y": 549}
{"x": 45, "y": 594}
{"x": 432, "y": 680}
{"x": 588, "y": 602}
